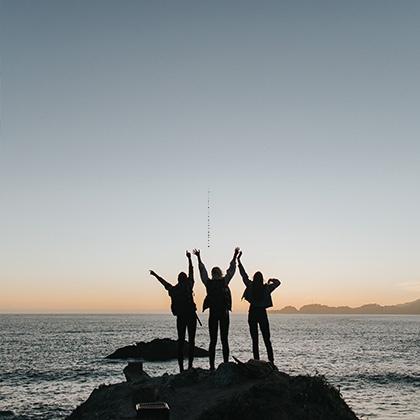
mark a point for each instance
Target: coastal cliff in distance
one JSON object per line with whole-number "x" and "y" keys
{"x": 410, "y": 308}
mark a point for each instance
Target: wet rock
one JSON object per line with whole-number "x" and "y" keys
{"x": 159, "y": 349}
{"x": 256, "y": 368}
{"x": 243, "y": 391}
{"x": 134, "y": 372}
{"x": 107, "y": 402}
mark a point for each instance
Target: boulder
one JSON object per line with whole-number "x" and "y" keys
{"x": 243, "y": 391}
{"x": 159, "y": 349}
{"x": 134, "y": 372}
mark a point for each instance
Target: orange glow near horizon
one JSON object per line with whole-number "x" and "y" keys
{"x": 156, "y": 300}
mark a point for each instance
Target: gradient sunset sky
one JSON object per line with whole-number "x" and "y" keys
{"x": 301, "y": 117}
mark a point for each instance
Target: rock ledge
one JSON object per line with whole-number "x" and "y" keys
{"x": 159, "y": 349}
{"x": 243, "y": 391}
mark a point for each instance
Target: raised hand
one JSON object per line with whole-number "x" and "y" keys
{"x": 188, "y": 254}
{"x": 237, "y": 250}
{"x": 152, "y": 273}
{"x": 239, "y": 255}
{"x": 274, "y": 281}
{"x": 196, "y": 252}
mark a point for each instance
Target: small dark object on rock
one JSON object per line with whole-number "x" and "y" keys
{"x": 153, "y": 411}
{"x": 134, "y": 372}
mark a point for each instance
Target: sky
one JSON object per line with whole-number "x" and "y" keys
{"x": 117, "y": 117}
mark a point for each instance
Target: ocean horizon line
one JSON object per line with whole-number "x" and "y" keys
{"x": 273, "y": 313}
{"x": 285, "y": 310}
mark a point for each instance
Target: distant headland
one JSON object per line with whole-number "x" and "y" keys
{"x": 409, "y": 308}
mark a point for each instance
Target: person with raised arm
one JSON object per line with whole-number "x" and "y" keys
{"x": 219, "y": 302}
{"x": 184, "y": 308}
{"x": 258, "y": 294}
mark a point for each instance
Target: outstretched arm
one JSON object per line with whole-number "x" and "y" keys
{"x": 202, "y": 268}
{"x": 244, "y": 274}
{"x": 190, "y": 269}
{"x": 273, "y": 284}
{"x": 230, "y": 272}
{"x": 164, "y": 283}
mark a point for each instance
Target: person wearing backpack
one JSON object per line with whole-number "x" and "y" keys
{"x": 258, "y": 294}
{"x": 184, "y": 308}
{"x": 219, "y": 302}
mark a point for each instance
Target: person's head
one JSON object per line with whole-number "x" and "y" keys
{"x": 258, "y": 278}
{"x": 216, "y": 273}
{"x": 182, "y": 277}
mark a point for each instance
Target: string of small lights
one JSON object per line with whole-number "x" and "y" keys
{"x": 208, "y": 218}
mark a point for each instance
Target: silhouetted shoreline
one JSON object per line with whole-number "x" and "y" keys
{"x": 409, "y": 308}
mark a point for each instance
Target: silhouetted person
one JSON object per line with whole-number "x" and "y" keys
{"x": 258, "y": 294}
{"x": 219, "y": 302}
{"x": 184, "y": 308}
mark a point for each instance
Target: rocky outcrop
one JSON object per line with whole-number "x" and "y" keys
{"x": 409, "y": 308}
{"x": 243, "y": 391}
{"x": 159, "y": 349}
{"x": 133, "y": 372}
{"x": 287, "y": 310}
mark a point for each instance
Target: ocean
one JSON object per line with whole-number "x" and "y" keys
{"x": 51, "y": 363}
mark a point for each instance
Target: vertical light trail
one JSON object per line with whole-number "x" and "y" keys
{"x": 208, "y": 218}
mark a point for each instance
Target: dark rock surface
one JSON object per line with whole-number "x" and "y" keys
{"x": 133, "y": 372}
{"x": 243, "y": 391}
{"x": 158, "y": 349}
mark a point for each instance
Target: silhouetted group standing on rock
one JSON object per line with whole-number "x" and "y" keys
{"x": 219, "y": 302}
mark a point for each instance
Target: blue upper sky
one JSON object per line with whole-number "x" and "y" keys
{"x": 301, "y": 117}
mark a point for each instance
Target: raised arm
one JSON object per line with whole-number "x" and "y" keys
{"x": 244, "y": 275}
{"x": 230, "y": 272}
{"x": 164, "y": 283}
{"x": 273, "y": 284}
{"x": 201, "y": 267}
{"x": 190, "y": 269}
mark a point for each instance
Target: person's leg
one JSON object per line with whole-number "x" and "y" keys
{"x": 213, "y": 322}
{"x": 253, "y": 329}
{"x": 192, "y": 327}
{"x": 265, "y": 331}
{"x": 224, "y": 334}
{"x": 181, "y": 326}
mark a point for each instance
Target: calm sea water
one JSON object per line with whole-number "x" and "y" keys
{"x": 50, "y": 363}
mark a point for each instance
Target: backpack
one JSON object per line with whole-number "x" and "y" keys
{"x": 264, "y": 301}
{"x": 218, "y": 296}
{"x": 182, "y": 301}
